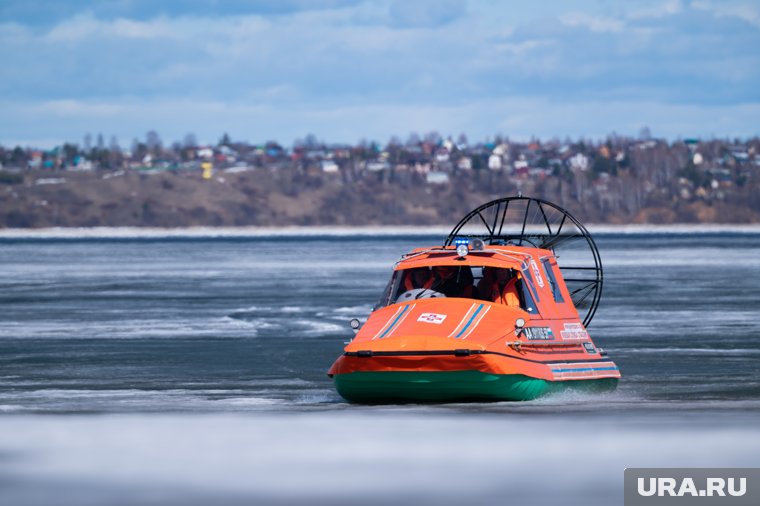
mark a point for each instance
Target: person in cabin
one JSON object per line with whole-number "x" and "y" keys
{"x": 499, "y": 285}
{"x": 484, "y": 287}
{"x": 421, "y": 277}
{"x": 444, "y": 279}
{"x": 453, "y": 281}
{"x": 466, "y": 283}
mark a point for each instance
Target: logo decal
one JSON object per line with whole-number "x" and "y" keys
{"x": 537, "y": 273}
{"x": 574, "y": 331}
{"x": 432, "y": 318}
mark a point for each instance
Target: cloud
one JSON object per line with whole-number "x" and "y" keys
{"x": 659, "y": 9}
{"x": 519, "y": 117}
{"x": 593, "y": 23}
{"x": 76, "y": 109}
{"x": 321, "y": 67}
{"x": 424, "y": 13}
{"x": 51, "y": 12}
{"x": 747, "y": 12}
{"x": 522, "y": 47}
{"x": 84, "y": 27}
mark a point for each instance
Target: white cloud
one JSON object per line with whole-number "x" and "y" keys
{"x": 128, "y": 28}
{"x": 660, "y": 10}
{"x": 593, "y": 23}
{"x": 744, "y": 11}
{"x": 74, "y": 29}
{"x": 13, "y": 31}
{"x": 519, "y": 117}
{"x": 76, "y": 109}
{"x": 87, "y": 27}
{"x": 523, "y": 47}
{"x": 345, "y": 73}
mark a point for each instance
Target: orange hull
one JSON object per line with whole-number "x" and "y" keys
{"x": 496, "y": 322}
{"x": 474, "y": 335}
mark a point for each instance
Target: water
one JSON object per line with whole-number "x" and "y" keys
{"x": 192, "y": 371}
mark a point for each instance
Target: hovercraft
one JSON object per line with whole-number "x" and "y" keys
{"x": 499, "y": 312}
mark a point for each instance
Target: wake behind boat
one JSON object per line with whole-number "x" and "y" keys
{"x": 489, "y": 315}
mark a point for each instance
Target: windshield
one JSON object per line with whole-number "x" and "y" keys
{"x": 504, "y": 286}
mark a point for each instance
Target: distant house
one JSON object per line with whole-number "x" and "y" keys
{"x": 81, "y": 163}
{"x": 437, "y": 177}
{"x": 647, "y": 144}
{"x": 274, "y": 150}
{"x": 315, "y": 154}
{"x": 579, "y": 161}
{"x": 465, "y": 163}
{"x": 501, "y": 150}
{"x": 422, "y": 168}
{"x": 520, "y": 164}
{"x": 343, "y": 152}
{"x": 205, "y": 153}
{"x": 494, "y": 162}
{"x": 376, "y": 165}
{"x": 720, "y": 175}
{"x": 35, "y": 161}
{"x": 329, "y": 167}
{"x": 229, "y": 154}
{"x": 539, "y": 172}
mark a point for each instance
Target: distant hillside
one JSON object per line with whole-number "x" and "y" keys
{"x": 290, "y": 196}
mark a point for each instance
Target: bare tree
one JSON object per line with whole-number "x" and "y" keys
{"x": 153, "y": 141}
{"x": 190, "y": 141}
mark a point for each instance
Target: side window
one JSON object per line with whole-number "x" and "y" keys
{"x": 529, "y": 304}
{"x": 390, "y": 289}
{"x": 528, "y": 294}
{"x": 552, "y": 280}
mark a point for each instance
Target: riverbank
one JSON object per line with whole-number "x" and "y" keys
{"x": 328, "y": 231}
{"x": 286, "y": 198}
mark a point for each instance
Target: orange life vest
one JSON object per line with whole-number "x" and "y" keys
{"x": 508, "y": 296}
{"x": 409, "y": 282}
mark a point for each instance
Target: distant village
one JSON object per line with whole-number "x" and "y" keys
{"x": 615, "y": 180}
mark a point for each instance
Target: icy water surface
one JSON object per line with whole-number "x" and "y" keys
{"x": 151, "y": 371}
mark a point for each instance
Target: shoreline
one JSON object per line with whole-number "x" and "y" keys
{"x": 332, "y": 231}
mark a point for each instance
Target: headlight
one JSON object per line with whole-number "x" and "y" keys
{"x": 462, "y": 250}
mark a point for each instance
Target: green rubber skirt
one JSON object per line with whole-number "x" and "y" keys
{"x": 449, "y": 386}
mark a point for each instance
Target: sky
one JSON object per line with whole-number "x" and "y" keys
{"x": 348, "y": 70}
